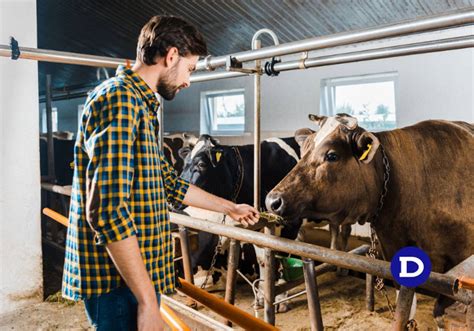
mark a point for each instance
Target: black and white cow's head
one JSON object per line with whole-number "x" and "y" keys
{"x": 176, "y": 147}
{"x": 212, "y": 167}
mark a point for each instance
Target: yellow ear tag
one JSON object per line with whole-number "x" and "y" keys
{"x": 218, "y": 156}
{"x": 366, "y": 152}
{"x": 71, "y": 165}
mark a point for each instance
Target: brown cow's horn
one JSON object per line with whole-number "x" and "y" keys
{"x": 348, "y": 121}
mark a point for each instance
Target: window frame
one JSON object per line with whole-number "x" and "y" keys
{"x": 206, "y": 107}
{"x": 328, "y": 90}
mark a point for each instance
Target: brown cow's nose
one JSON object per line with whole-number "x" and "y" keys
{"x": 275, "y": 203}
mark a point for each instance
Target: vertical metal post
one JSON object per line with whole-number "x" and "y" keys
{"x": 186, "y": 254}
{"x": 232, "y": 265}
{"x": 269, "y": 280}
{"x": 369, "y": 292}
{"x": 256, "y": 131}
{"x": 49, "y": 125}
{"x": 402, "y": 313}
{"x": 312, "y": 294}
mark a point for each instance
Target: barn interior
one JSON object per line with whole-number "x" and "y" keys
{"x": 429, "y": 74}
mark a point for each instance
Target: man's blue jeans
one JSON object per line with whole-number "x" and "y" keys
{"x": 116, "y": 310}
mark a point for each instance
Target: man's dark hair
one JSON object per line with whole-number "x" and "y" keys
{"x": 163, "y": 32}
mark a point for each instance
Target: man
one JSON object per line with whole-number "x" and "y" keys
{"x": 119, "y": 249}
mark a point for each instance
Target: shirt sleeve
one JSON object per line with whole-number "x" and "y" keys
{"x": 175, "y": 186}
{"x": 111, "y": 130}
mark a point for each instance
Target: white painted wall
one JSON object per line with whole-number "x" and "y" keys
{"x": 20, "y": 233}
{"x": 435, "y": 85}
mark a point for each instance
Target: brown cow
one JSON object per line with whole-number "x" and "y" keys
{"x": 430, "y": 191}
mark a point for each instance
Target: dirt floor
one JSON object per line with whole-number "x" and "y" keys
{"x": 342, "y": 300}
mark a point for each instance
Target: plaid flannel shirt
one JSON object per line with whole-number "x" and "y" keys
{"x": 122, "y": 183}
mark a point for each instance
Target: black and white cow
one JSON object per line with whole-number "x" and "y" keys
{"x": 227, "y": 171}
{"x": 176, "y": 147}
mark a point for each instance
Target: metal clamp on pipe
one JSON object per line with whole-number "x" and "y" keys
{"x": 302, "y": 63}
{"x": 232, "y": 64}
{"x": 270, "y": 67}
{"x": 207, "y": 63}
{"x": 15, "y": 49}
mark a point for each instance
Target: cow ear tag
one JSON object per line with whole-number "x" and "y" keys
{"x": 366, "y": 152}
{"x": 218, "y": 156}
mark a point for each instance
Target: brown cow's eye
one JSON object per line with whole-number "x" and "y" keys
{"x": 332, "y": 157}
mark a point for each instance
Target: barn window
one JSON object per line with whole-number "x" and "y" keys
{"x": 44, "y": 123}
{"x": 223, "y": 112}
{"x": 369, "y": 98}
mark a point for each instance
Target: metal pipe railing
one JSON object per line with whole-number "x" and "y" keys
{"x": 197, "y": 317}
{"x": 440, "y": 283}
{"x": 380, "y": 53}
{"x": 345, "y": 38}
{"x": 47, "y": 55}
{"x": 228, "y": 311}
{"x": 366, "y": 55}
{"x": 371, "y": 54}
{"x": 171, "y": 319}
{"x": 224, "y": 309}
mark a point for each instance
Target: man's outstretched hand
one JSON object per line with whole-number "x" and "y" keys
{"x": 245, "y": 214}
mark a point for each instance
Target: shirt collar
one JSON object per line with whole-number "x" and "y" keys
{"x": 148, "y": 94}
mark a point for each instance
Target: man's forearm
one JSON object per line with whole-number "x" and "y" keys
{"x": 128, "y": 260}
{"x": 199, "y": 198}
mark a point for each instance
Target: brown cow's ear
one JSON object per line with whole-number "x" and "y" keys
{"x": 367, "y": 145}
{"x": 320, "y": 120}
{"x": 302, "y": 134}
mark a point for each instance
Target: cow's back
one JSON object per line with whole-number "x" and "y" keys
{"x": 430, "y": 202}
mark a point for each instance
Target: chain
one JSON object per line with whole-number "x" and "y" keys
{"x": 379, "y": 284}
{"x": 214, "y": 257}
{"x": 372, "y": 253}
{"x": 386, "y": 178}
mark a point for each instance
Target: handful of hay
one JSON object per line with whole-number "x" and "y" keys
{"x": 271, "y": 218}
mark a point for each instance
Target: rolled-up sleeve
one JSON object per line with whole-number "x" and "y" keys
{"x": 175, "y": 186}
{"x": 109, "y": 144}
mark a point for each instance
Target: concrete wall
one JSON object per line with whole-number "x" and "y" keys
{"x": 20, "y": 232}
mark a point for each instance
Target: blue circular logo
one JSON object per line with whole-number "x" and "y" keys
{"x": 410, "y": 267}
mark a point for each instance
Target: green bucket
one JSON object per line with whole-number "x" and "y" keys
{"x": 292, "y": 268}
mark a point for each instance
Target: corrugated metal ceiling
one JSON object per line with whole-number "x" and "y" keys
{"x": 111, "y": 28}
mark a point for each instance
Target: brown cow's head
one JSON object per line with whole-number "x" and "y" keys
{"x": 335, "y": 178}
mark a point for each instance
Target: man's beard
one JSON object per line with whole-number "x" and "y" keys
{"x": 165, "y": 88}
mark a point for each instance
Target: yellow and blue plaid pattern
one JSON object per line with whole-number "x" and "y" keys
{"x": 122, "y": 184}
